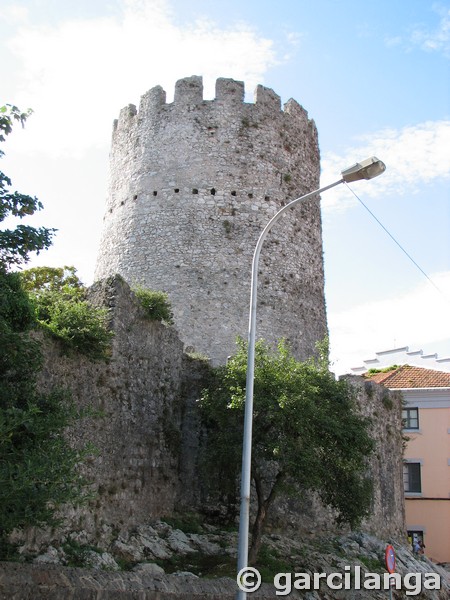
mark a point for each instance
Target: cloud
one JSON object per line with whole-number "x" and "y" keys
{"x": 77, "y": 75}
{"x": 13, "y": 13}
{"x": 437, "y": 40}
{"x": 413, "y": 156}
{"x": 415, "y": 318}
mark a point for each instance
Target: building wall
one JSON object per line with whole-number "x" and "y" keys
{"x": 192, "y": 185}
{"x": 432, "y": 517}
{"x": 429, "y": 510}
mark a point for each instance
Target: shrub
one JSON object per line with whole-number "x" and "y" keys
{"x": 80, "y": 327}
{"x": 61, "y": 309}
{"x": 38, "y": 469}
{"x": 155, "y": 304}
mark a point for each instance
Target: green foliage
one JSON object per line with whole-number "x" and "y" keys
{"x": 374, "y": 565}
{"x": 155, "y": 304}
{"x": 38, "y": 469}
{"x": 63, "y": 280}
{"x": 186, "y": 522}
{"x": 270, "y": 563}
{"x": 77, "y": 555}
{"x": 373, "y": 371}
{"x": 208, "y": 566}
{"x": 306, "y": 430}
{"x": 15, "y": 308}
{"x": 61, "y": 310}
{"x": 227, "y": 226}
{"x": 17, "y": 244}
{"x": 80, "y": 327}
{"x": 387, "y": 400}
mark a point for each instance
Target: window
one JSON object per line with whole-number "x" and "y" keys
{"x": 414, "y": 535}
{"x": 415, "y": 538}
{"x": 411, "y": 477}
{"x": 410, "y": 418}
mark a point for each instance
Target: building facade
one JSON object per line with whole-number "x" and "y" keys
{"x": 426, "y": 461}
{"x": 192, "y": 185}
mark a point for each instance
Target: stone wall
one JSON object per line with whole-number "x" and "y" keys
{"x": 384, "y": 408}
{"x": 192, "y": 185}
{"x": 148, "y": 433}
{"x": 43, "y": 582}
{"x": 139, "y": 395}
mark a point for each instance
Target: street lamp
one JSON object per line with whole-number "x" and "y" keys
{"x": 366, "y": 169}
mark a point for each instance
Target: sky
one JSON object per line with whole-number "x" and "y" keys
{"x": 374, "y": 76}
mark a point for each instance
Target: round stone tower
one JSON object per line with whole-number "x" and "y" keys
{"x": 192, "y": 185}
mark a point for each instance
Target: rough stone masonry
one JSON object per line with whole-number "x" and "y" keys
{"x": 192, "y": 185}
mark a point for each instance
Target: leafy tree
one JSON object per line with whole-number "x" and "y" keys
{"x": 307, "y": 433}
{"x": 38, "y": 469}
{"x": 62, "y": 311}
{"x": 63, "y": 280}
{"x": 18, "y": 243}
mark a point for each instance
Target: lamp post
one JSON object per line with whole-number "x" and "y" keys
{"x": 366, "y": 169}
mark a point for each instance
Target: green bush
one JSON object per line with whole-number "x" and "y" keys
{"x": 80, "y": 327}
{"x": 61, "y": 309}
{"x": 38, "y": 468}
{"x": 15, "y": 306}
{"x": 156, "y": 305}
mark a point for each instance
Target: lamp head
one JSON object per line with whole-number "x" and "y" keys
{"x": 366, "y": 169}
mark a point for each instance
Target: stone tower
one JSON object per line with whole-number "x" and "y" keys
{"x": 192, "y": 185}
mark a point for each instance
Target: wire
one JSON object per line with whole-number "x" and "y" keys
{"x": 396, "y": 242}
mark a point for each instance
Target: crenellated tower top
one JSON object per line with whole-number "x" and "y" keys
{"x": 189, "y": 94}
{"x": 192, "y": 184}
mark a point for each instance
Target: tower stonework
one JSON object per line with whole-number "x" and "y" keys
{"x": 192, "y": 185}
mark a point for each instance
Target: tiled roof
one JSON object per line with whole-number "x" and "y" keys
{"x": 411, "y": 377}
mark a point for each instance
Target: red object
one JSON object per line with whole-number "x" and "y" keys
{"x": 390, "y": 558}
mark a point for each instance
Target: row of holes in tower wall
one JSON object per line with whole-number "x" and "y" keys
{"x": 195, "y": 191}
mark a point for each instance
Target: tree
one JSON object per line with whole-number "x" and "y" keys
{"x": 62, "y": 310}
{"x": 307, "y": 433}
{"x": 17, "y": 244}
{"x": 38, "y": 468}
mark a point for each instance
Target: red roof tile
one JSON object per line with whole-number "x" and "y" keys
{"x": 410, "y": 377}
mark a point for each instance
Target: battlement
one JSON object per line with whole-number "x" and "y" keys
{"x": 189, "y": 95}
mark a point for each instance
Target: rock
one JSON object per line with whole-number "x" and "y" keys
{"x": 185, "y": 574}
{"x": 350, "y": 547}
{"x": 147, "y": 531}
{"x": 103, "y": 561}
{"x": 80, "y": 537}
{"x": 141, "y": 545}
{"x": 51, "y": 557}
{"x": 148, "y": 569}
{"x": 179, "y": 542}
{"x": 153, "y": 546}
{"x": 127, "y": 552}
{"x": 203, "y": 545}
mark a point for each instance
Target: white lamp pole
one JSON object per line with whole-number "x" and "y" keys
{"x": 366, "y": 169}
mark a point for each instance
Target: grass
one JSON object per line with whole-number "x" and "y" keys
{"x": 270, "y": 563}
{"x": 188, "y": 523}
{"x": 203, "y": 565}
